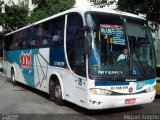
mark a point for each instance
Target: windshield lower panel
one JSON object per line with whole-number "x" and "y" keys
{"x": 122, "y": 48}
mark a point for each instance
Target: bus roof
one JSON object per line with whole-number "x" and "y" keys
{"x": 81, "y": 11}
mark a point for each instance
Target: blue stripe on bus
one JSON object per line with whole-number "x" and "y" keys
{"x": 141, "y": 84}
{"x": 114, "y": 83}
{"x": 109, "y": 83}
{"x": 57, "y": 57}
{"x": 14, "y": 57}
{"x": 150, "y": 82}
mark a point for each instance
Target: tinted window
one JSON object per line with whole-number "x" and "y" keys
{"x": 46, "y": 34}
{"x": 75, "y": 43}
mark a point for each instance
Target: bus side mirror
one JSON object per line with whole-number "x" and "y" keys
{"x": 87, "y": 44}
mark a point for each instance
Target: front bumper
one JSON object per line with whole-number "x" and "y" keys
{"x": 105, "y": 102}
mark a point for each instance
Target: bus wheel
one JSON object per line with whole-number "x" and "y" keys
{"x": 51, "y": 90}
{"x": 13, "y": 77}
{"x": 58, "y": 94}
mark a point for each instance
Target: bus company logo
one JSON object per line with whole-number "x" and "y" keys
{"x": 25, "y": 61}
{"x": 140, "y": 84}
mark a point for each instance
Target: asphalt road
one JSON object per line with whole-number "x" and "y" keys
{"x": 24, "y": 103}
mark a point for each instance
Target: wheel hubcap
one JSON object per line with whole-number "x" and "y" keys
{"x": 57, "y": 91}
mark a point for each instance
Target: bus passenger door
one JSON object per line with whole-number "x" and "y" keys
{"x": 76, "y": 56}
{"x": 80, "y": 71}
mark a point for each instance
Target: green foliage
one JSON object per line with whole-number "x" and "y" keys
{"x": 1, "y": 37}
{"x": 150, "y": 8}
{"x": 101, "y": 3}
{"x": 46, "y": 8}
{"x": 15, "y": 17}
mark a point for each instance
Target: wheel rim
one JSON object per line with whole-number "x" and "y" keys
{"x": 58, "y": 91}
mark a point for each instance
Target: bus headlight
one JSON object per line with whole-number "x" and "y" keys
{"x": 99, "y": 91}
{"x": 150, "y": 89}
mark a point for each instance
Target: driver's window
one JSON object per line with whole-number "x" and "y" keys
{"x": 113, "y": 43}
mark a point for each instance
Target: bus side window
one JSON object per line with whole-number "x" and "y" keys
{"x": 32, "y": 43}
{"x": 46, "y": 35}
{"x": 75, "y": 43}
{"x": 14, "y": 42}
{"x": 21, "y": 38}
{"x": 57, "y": 31}
{"x": 8, "y": 42}
{"x": 39, "y": 36}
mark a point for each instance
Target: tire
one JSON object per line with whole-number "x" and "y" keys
{"x": 13, "y": 77}
{"x": 58, "y": 93}
{"x": 51, "y": 90}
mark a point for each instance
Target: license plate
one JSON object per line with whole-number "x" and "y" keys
{"x": 130, "y": 101}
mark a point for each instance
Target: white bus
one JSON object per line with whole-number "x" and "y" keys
{"x": 73, "y": 56}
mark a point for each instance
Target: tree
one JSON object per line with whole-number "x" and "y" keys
{"x": 149, "y": 8}
{"x": 101, "y": 3}
{"x": 14, "y": 17}
{"x": 46, "y": 8}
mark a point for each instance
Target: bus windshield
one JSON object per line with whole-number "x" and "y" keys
{"x": 122, "y": 48}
